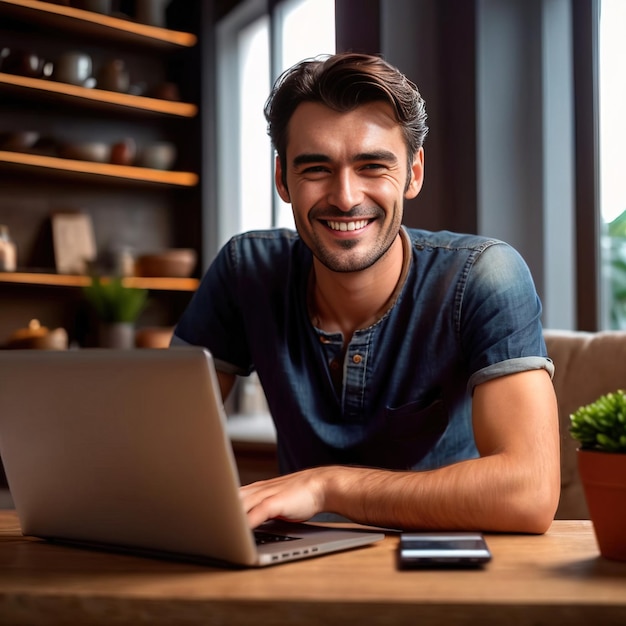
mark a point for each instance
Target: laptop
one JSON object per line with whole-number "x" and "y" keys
{"x": 127, "y": 450}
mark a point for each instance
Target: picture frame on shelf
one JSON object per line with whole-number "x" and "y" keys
{"x": 73, "y": 241}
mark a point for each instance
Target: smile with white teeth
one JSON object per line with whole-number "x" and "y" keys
{"x": 345, "y": 226}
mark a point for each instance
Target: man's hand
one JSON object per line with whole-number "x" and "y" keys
{"x": 295, "y": 497}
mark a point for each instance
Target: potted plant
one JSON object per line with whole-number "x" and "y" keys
{"x": 600, "y": 428}
{"x": 117, "y": 308}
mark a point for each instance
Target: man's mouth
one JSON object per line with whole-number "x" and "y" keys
{"x": 346, "y": 226}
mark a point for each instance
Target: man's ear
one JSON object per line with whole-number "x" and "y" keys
{"x": 283, "y": 192}
{"x": 417, "y": 175}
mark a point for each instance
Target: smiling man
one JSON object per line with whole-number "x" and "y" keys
{"x": 405, "y": 370}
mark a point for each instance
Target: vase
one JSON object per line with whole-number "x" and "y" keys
{"x": 603, "y": 475}
{"x": 117, "y": 335}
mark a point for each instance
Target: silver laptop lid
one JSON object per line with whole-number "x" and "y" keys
{"x": 113, "y": 446}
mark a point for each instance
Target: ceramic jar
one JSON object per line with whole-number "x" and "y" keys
{"x": 24, "y": 63}
{"x": 151, "y": 12}
{"x": 97, "y": 6}
{"x": 113, "y": 76}
{"x": 8, "y": 251}
{"x": 74, "y": 68}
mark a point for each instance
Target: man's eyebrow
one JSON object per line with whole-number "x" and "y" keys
{"x": 376, "y": 155}
{"x": 305, "y": 159}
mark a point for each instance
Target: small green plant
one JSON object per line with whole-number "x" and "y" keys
{"x": 615, "y": 267}
{"x": 113, "y": 302}
{"x": 601, "y": 425}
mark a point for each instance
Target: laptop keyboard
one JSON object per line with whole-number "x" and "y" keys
{"x": 262, "y": 537}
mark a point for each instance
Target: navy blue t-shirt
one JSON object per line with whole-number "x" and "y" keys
{"x": 466, "y": 312}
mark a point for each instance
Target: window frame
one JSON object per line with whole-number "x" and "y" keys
{"x": 585, "y": 33}
{"x": 229, "y": 222}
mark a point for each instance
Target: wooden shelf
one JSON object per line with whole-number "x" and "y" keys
{"x": 98, "y": 98}
{"x": 93, "y": 24}
{"x": 65, "y": 280}
{"x": 156, "y": 51}
{"x": 73, "y": 167}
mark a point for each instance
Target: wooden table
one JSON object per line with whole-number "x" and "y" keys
{"x": 556, "y": 578}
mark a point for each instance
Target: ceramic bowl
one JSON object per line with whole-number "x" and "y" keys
{"x": 175, "y": 263}
{"x": 20, "y": 141}
{"x": 165, "y": 91}
{"x": 157, "y": 156}
{"x": 89, "y": 151}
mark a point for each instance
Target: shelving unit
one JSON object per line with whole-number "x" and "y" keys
{"x": 66, "y": 280}
{"x": 97, "y": 98}
{"x": 35, "y": 179}
{"x": 70, "y": 19}
{"x": 41, "y": 164}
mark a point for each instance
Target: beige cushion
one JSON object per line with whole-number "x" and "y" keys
{"x": 587, "y": 365}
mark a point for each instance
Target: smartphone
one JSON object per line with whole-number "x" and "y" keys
{"x": 442, "y": 549}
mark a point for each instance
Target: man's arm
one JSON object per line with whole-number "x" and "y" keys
{"x": 514, "y": 486}
{"x": 226, "y": 382}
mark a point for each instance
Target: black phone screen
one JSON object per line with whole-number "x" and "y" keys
{"x": 442, "y": 549}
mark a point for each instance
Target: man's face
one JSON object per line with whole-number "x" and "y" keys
{"x": 346, "y": 181}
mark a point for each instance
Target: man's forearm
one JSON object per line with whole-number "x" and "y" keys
{"x": 480, "y": 494}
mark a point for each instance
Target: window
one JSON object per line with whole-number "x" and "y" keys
{"x": 254, "y": 47}
{"x": 612, "y": 126}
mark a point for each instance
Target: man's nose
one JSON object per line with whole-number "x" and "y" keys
{"x": 345, "y": 191}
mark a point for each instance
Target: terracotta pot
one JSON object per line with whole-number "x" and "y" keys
{"x": 603, "y": 475}
{"x": 154, "y": 337}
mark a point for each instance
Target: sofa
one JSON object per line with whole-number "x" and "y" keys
{"x": 587, "y": 365}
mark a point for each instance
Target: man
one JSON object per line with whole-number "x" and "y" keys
{"x": 405, "y": 370}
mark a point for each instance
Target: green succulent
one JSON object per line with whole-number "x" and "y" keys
{"x": 601, "y": 425}
{"x": 113, "y": 302}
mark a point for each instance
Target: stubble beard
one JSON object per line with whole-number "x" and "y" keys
{"x": 341, "y": 263}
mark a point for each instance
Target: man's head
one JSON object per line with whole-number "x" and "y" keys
{"x": 344, "y": 82}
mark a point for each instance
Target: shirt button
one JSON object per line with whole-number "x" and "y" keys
{"x": 334, "y": 364}
{"x": 357, "y": 358}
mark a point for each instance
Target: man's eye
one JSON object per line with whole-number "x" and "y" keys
{"x": 373, "y": 166}
{"x": 314, "y": 169}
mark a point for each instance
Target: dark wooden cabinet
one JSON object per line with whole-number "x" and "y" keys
{"x": 256, "y": 460}
{"x": 130, "y": 207}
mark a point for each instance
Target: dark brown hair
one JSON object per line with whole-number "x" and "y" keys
{"x": 343, "y": 82}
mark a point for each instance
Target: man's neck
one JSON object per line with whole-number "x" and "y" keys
{"x": 346, "y": 302}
